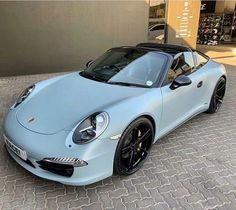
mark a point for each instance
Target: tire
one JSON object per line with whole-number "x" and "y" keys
{"x": 217, "y": 96}
{"x": 134, "y": 147}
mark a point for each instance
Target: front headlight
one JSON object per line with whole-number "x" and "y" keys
{"x": 24, "y": 95}
{"x": 90, "y": 128}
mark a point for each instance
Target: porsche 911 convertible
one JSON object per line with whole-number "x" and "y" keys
{"x": 82, "y": 127}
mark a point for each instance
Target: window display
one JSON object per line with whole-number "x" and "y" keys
{"x": 216, "y": 29}
{"x": 210, "y": 29}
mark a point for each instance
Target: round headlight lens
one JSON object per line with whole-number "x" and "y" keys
{"x": 91, "y": 128}
{"x": 24, "y": 95}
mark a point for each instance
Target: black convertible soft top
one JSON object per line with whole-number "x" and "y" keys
{"x": 168, "y": 48}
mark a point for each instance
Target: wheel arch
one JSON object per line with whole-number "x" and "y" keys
{"x": 224, "y": 76}
{"x": 149, "y": 117}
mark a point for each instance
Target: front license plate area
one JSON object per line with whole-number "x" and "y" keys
{"x": 19, "y": 152}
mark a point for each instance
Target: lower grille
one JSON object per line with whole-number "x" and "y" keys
{"x": 56, "y": 168}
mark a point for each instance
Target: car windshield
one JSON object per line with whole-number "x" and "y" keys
{"x": 127, "y": 66}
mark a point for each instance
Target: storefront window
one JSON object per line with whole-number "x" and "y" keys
{"x": 217, "y": 24}
{"x": 157, "y": 21}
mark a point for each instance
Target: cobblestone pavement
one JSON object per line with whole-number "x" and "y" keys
{"x": 194, "y": 167}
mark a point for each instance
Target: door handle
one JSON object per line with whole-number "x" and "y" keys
{"x": 200, "y": 84}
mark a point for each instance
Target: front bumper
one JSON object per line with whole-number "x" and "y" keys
{"x": 99, "y": 154}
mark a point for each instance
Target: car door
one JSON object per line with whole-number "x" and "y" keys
{"x": 185, "y": 101}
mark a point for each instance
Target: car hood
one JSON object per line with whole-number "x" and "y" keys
{"x": 64, "y": 102}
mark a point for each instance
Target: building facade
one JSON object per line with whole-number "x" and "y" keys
{"x": 43, "y": 37}
{"x": 58, "y": 36}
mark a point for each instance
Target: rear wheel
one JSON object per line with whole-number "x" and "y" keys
{"x": 218, "y": 96}
{"x": 134, "y": 146}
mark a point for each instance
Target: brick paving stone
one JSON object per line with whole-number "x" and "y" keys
{"x": 106, "y": 201}
{"x": 117, "y": 193}
{"x": 131, "y": 197}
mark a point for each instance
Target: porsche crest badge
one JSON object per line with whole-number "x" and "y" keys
{"x": 30, "y": 120}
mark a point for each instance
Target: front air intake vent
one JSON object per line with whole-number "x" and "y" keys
{"x": 56, "y": 168}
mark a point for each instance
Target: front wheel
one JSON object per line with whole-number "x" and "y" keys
{"x": 134, "y": 146}
{"x": 218, "y": 96}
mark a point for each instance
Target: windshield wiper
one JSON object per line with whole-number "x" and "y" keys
{"x": 127, "y": 84}
{"x": 90, "y": 76}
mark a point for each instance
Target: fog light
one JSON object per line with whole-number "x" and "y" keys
{"x": 67, "y": 160}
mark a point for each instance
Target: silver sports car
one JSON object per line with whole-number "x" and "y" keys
{"x": 82, "y": 127}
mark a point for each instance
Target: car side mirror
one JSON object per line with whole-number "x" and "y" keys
{"x": 179, "y": 81}
{"x": 89, "y": 63}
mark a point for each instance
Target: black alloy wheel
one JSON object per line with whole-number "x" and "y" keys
{"x": 134, "y": 147}
{"x": 218, "y": 96}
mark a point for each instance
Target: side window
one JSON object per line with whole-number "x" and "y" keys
{"x": 200, "y": 59}
{"x": 183, "y": 63}
{"x": 158, "y": 27}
